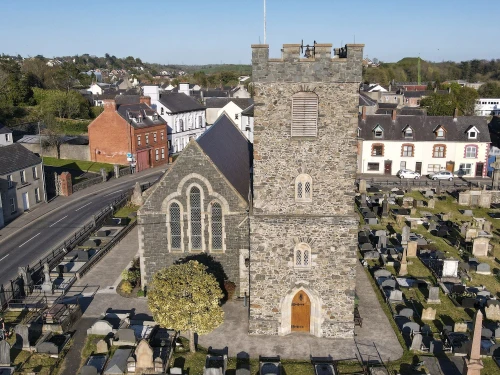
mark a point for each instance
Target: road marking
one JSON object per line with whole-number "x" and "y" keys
{"x": 112, "y": 193}
{"x": 36, "y": 235}
{"x": 85, "y": 205}
{"x": 50, "y": 226}
{"x": 4, "y": 257}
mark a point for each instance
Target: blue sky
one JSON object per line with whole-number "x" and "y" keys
{"x": 202, "y": 32}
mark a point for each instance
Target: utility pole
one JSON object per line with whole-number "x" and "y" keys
{"x": 43, "y": 169}
{"x": 264, "y": 21}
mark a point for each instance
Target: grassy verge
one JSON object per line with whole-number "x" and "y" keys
{"x": 126, "y": 210}
{"x": 80, "y": 165}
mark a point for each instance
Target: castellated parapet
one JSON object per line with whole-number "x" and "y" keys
{"x": 344, "y": 66}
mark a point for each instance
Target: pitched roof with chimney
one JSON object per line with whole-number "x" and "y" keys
{"x": 243, "y": 103}
{"x": 179, "y": 102}
{"x": 230, "y": 151}
{"x": 16, "y": 157}
{"x": 140, "y": 115}
{"x": 424, "y": 127}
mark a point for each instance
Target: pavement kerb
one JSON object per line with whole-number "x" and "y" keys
{"x": 66, "y": 203}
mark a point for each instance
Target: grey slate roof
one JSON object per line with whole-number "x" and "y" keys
{"x": 387, "y": 105}
{"x": 230, "y": 151}
{"x": 16, "y": 157}
{"x": 243, "y": 103}
{"x": 423, "y": 128}
{"x": 179, "y": 102}
{"x": 131, "y": 110}
{"x": 127, "y": 99}
{"x": 365, "y": 100}
{"x": 4, "y": 129}
{"x": 248, "y": 111}
{"x": 417, "y": 94}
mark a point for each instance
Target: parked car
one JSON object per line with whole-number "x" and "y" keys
{"x": 407, "y": 173}
{"x": 443, "y": 175}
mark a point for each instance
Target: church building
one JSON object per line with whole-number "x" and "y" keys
{"x": 279, "y": 217}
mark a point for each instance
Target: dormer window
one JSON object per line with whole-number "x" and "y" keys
{"x": 472, "y": 133}
{"x": 440, "y": 132}
{"x": 378, "y": 131}
{"x": 139, "y": 119}
{"x": 408, "y": 132}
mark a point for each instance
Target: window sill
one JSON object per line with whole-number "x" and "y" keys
{"x": 23, "y": 185}
{"x": 378, "y": 156}
{"x": 296, "y": 268}
{"x": 303, "y": 201}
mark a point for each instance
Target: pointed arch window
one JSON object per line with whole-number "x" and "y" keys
{"x": 216, "y": 230}
{"x": 303, "y": 188}
{"x": 195, "y": 219}
{"x": 175, "y": 227}
{"x": 302, "y": 256}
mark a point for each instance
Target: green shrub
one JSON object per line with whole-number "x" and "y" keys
{"x": 140, "y": 293}
{"x": 126, "y": 287}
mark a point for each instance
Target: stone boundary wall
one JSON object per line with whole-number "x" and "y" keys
{"x": 68, "y": 151}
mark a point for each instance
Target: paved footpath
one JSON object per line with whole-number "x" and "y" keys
{"x": 105, "y": 276}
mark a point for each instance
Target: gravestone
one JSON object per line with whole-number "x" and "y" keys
{"x": 493, "y": 302}
{"x": 371, "y": 254}
{"x": 403, "y": 266}
{"x": 464, "y": 198}
{"x": 47, "y": 281}
{"x": 467, "y": 213}
{"x": 362, "y": 186}
{"x": 413, "y": 224}
{"x": 492, "y": 312}
{"x": 405, "y": 235}
{"x": 101, "y": 327}
{"x": 460, "y": 327}
{"x": 433, "y": 295}
{"x": 137, "y": 198}
{"x": 389, "y": 283}
{"x": 463, "y": 229}
{"x": 124, "y": 336}
{"x": 408, "y": 313}
{"x": 450, "y": 267}
{"x": 463, "y": 266}
{"x": 429, "y": 194}
{"x": 483, "y": 269}
{"x": 431, "y": 203}
{"x": 382, "y": 242}
{"x": 88, "y": 370}
{"x": 381, "y": 273}
{"x": 412, "y": 249}
{"x": 102, "y": 347}
{"x": 144, "y": 355}
{"x": 366, "y": 247}
{"x": 4, "y": 353}
{"x": 458, "y": 289}
{"x": 487, "y": 226}
{"x": 22, "y": 336}
{"x": 484, "y": 199}
{"x": 400, "y": 220}
{"x": 480, "y": 246}
{"x": 487, "y": 333}
{"x": 82, "y": 256}
{"x": 396, "y": 296}
{"x": 468, "y": 303}
{"x": 410, "y": 327}
{"x": 416, "y": 342}
{"x": 432, "y": 226}
{"x": 429, "y": 314}
{"x": 25, "y": 273}
{"x": 473, "y": 362}
{"x": 436, "y": 347}
{"x": 362, "y": 200}
{"x": 385, "y": 208}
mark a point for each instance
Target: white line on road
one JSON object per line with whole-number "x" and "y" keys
{"x": 24, "y": 243}
{"x": 4, "y": 257}
{"x": 85, "y": 205}
{"x": 50, "y": 226}
{"x": 112, "y": 193}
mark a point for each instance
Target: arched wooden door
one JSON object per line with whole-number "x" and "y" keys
{"x": 301, "y": 312}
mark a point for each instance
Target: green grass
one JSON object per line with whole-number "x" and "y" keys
{"x": 74, "y": 127}
{"x": 80, "y": 165}
{"x": 126, "y": 210}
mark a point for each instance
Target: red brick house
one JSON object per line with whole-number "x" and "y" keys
{"x": 135, "y": 129}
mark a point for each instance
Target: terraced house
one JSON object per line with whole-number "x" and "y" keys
{"x": 425, "y": 144}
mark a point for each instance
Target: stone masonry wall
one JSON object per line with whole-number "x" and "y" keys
{"x": 332, "y": 273}
{"x": 328, "y": 223}
{"x": 192, "y": 167}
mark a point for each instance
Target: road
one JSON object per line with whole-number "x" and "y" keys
{"x": 36, "y": 239}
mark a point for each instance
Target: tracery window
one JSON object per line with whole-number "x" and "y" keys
{"x": 175, "y": 227}
{"x": 216, "y": 227}
{"x": 195, "y": 216}
{"x": 303, "y": 188}
{"x": 302, "y": 256}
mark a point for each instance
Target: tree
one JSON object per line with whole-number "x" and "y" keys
{"x": 439, "y": 104}
{"x": 53, "y": 132}
{"x": 185, "y": 297}
{"x": 466, "y": 100}
{"x": 489, "y": 90}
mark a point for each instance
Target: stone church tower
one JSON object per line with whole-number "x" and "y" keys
{"x": 303, "y": 226}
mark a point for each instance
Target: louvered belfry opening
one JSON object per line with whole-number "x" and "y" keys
{"x": 305, "y": 114}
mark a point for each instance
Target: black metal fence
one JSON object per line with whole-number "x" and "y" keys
{"x": 403, "y": 183}
{"x": 88, "y": 183}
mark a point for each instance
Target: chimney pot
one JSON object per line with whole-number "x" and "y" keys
{"x": 394, "y": 114}
{"x": 363, "y": 113}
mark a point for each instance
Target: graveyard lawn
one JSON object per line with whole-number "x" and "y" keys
{"x": 40, "y": 364}
{"x": 193, "y": 362}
